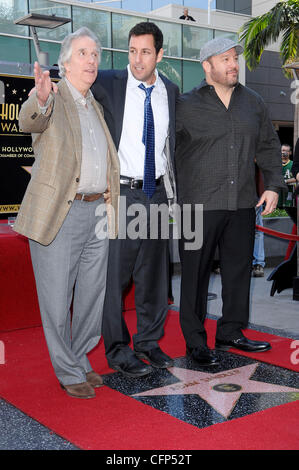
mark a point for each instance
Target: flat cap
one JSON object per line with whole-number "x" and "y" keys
{"x": 218, "y": 46}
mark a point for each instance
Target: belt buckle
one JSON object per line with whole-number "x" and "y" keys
{"x": 132, "y": 182}
{"x": 82, "y": 198}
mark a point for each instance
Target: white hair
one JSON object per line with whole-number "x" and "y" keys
{"x": 66, "y": 47}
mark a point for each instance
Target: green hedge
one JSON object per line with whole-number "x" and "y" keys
{"x": 277, "y": 213}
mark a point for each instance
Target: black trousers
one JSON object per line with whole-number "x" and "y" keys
{"x": 146, "y": 261}
{"x": 233, "y": 232}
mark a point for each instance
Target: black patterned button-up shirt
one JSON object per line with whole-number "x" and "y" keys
{"x": 216, "y": 148}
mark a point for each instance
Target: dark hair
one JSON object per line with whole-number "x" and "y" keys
{"x": 148, "y": 28}
{"x": 287, "y": 145}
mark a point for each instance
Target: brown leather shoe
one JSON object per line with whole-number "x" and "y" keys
{"x": 94, "y": 379}
{"x": 82, "y": 390}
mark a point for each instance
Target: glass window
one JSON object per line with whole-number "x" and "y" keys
{"x": 120, "y": 60}
{"x": 237, "y": 6}
{"x": 14, "y": 49}
{"x": 193, "y": 39}
{"x": 171, "y": 68}
{"x": 233, "y": 36}
{"x": 225, "y": 5}
{"x": 193, "y": 74}
{"x": 243, "y": 7}
{"x": 44, "y": 7}
{"x": 121, "y": 25}
{"x": 172, "y": 38}
{"x": 97, "y": 21}
{"x": 11, "y": 10}
{"x": 52, "y": 48}
{"x": 106, "y": 60}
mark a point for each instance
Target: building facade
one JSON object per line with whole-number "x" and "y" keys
{"x": 182, "y": 40}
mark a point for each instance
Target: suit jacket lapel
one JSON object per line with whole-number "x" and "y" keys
{"x": 100, "y": 114}
{"x": 171, "y": 98}
{"x": 73, "y": 118}
{"x": 119, "y": 98}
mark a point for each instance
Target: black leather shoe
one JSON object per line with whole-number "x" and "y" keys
{"x": 243, "y": 344}
{"x": 156, "y": 358}
{"x": 132, "y": 368}
{"x": 202, "y": 355}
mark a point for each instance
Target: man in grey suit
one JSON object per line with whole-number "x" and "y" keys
{"x": 76, "y": 169}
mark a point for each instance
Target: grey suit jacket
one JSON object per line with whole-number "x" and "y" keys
{"x": 57, "y": 144}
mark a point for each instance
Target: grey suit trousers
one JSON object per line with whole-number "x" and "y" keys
{"x": 71, "y": 271}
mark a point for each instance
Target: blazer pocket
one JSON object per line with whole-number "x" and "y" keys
{"x": 41, "y": 189}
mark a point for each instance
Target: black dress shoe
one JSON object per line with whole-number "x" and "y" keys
{"x": 133, "y": 367}
{"x": 156, "y": 358}
{"x": 243, "y": 344}
{"x": 202, "y": 355}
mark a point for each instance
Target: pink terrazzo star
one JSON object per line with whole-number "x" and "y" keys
{"x": 221, "y": 390}
{"x": 27, "y": 168}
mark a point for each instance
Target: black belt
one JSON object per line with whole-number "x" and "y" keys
{"x": 136, "y": 183}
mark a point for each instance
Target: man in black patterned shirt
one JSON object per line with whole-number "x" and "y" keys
{"x": 222, "y": 127}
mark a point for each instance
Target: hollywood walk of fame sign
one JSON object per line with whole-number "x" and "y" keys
{"x": 15, "y": 146}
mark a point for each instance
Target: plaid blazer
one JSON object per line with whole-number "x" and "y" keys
{"x": 57, "y": 145}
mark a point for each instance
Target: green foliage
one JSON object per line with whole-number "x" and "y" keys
{"x": 259, "y": 32}
{"x": 277, "y": 213}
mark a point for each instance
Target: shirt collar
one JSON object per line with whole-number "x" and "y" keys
{"x": 78, "y": 97}
{"x": 133, "y": 82}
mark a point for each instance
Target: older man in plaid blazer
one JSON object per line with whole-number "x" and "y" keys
{"x": 63, "y": 212}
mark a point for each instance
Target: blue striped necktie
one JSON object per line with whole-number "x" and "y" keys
{"x": 148, "y": 138}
